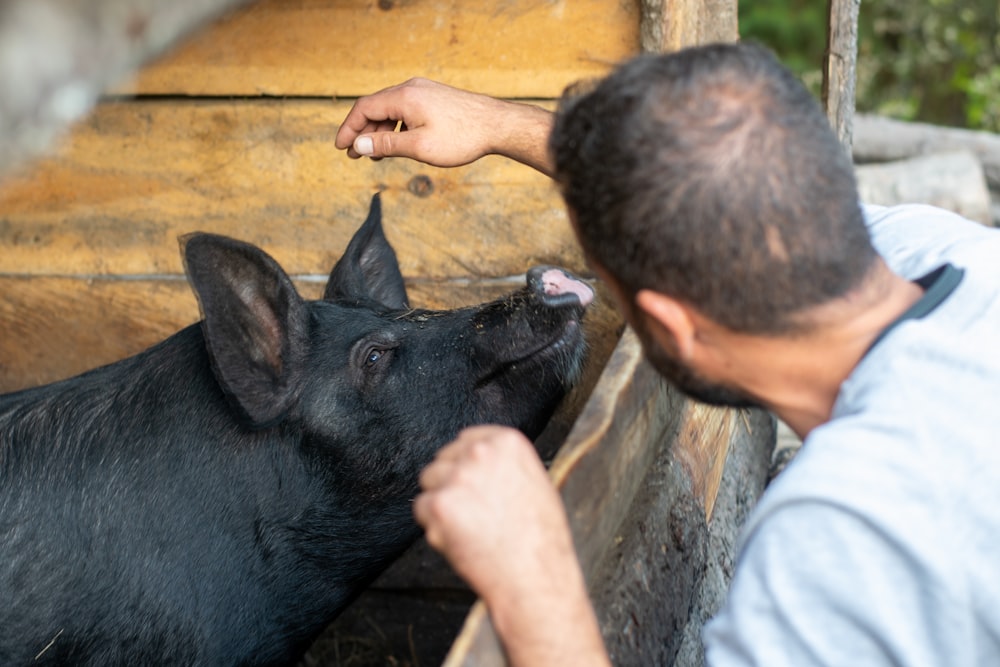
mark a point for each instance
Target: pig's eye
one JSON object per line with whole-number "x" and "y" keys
{"x": 373, "y": 356}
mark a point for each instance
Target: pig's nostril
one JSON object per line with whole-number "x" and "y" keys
{"x": 560, "y": 287}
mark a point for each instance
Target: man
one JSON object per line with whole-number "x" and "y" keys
{"x": 707, "y": 189}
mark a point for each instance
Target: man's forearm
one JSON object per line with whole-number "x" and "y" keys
{"x": 554, "y": 624}
{"x": 523, "y": 135}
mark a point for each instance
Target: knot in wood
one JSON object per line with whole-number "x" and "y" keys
{"x": 421, "y": 185}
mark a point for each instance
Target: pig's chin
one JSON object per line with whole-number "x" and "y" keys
{"x": 559, "y": 357}
{"x": 566, "y": 349}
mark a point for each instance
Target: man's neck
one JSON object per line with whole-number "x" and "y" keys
{"x": 798, "y": 376}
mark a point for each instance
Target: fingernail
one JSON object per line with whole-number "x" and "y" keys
{"x": 364, "y": 145}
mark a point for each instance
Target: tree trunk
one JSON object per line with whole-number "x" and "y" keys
{"x": 839, "y": 67}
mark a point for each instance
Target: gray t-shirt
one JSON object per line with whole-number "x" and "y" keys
{"x": 880, "y": 543}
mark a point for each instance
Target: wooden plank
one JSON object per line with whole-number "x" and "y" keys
{"x": 477, "y": 645}
{"x": 353, "y": 47}
{"x": 630, "y": 415}
{"x": 51, "y": 328}
{"x": 667, "y": 570}
{"x": 136, "y": 176}
{"x": 633, "y": 412}
{"x": 611, "y": 445}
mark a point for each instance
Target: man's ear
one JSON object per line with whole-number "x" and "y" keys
{"x": 676, "y": 330}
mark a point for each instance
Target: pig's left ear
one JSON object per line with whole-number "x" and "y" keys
{"x": 255, "y": 324}
{"x": 368, "y": 271}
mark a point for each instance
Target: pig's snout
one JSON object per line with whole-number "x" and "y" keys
{"x": 558, "y": 288}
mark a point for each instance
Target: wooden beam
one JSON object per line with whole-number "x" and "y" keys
{"x": 347, "y": 48}
{"x": 136, "y": 175}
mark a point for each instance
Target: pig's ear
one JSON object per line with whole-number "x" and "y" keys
{"x": 368, "y": 271}
{"x": 255, "y": 323}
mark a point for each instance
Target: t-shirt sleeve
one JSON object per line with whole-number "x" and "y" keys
{"x": 817, "y": 584}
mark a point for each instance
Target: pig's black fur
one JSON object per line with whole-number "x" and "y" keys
{"x": 220, "y": 497}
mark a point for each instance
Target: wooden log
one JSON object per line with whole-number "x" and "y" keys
{"x": 952, "y": 181}
{"x": 744, "y": 479}
{"x": 347, "y": 48}
{"x": 57, "y": 56}
{"x": 839, "y": 67}
{"x": 880, "y": 139}
{"x": 668, "y": 26}
{"x": 54, "y": 328}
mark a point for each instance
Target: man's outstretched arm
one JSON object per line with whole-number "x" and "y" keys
{"x": 445, "y": 127}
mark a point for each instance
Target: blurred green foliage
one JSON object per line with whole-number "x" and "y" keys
{"x": 935, "y": 61}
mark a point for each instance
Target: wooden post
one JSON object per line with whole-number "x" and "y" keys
{"x": 839, "y": 67}
{"x": 668, "y": 26}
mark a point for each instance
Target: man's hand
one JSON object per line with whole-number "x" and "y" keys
{"x": 444, "y": 126}
{"x": 488, "y": 505}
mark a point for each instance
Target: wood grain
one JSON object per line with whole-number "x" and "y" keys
{"x": 136, "y": 176}
{"x": 346, "y": 48}
{"x": 671, "y": 25}
{"x": 840, "y": 66}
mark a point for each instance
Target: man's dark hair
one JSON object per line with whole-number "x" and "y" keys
{"x": 713, "y": 176}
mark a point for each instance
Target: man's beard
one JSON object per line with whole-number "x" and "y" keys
{"x": 687, "y": 381}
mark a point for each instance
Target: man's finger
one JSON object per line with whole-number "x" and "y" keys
{"x": 421, "y": 512}
{"x": 436, "y": 474}
{"x": 427, "y": 512}
{"x": 390, "y": 144}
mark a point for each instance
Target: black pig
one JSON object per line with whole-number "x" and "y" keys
{"x": 220, "y": 497}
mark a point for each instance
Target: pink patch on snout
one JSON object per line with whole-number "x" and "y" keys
{"x": 556, "y": 282}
